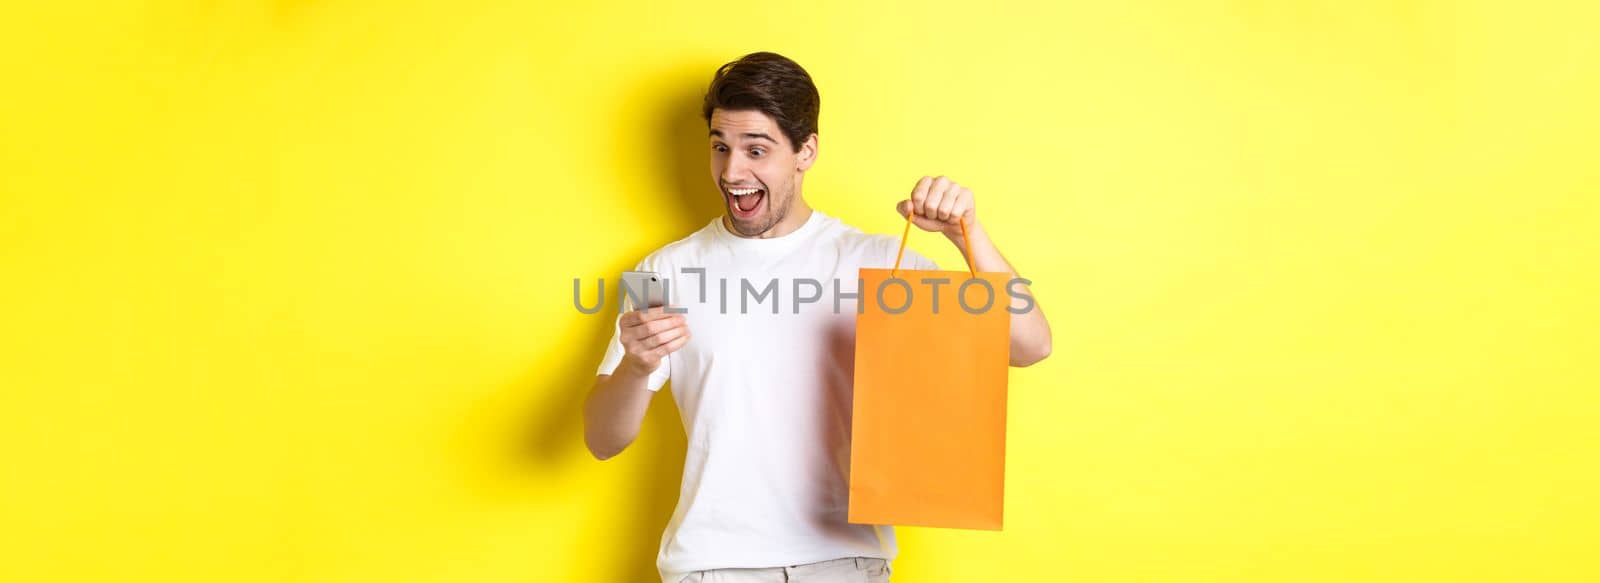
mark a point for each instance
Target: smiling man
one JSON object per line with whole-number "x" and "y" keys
{"x": 765, "y": 393}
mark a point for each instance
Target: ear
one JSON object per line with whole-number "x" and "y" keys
{"x": 807, "y": 155}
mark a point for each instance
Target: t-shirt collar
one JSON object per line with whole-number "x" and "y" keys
{"x": 783, "y": 241}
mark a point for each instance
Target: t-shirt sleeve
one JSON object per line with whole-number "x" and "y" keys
{"x": 888, "y": 246}
{"x": 914, "y": 260}
{"x": 613, "y": 357}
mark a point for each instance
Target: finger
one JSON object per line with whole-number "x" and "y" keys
{"x": 642, "y": 331}
{"x": 629, "y": 319}
{"x": 945, "y": 188}
{"x": 672, "y": 346}
{"x": 949, "y": 202}
{"x": 904, "y": 208}
{"x": 957, "y": 201}
{"x": 664, "y": 337}
{"x": 936, "y": 195}
{"x": 653, "y": 314}
{"x": 959, "y": 210}
{"x": 635, "y": 319}
{"x": 645, "y": 337}
{"x": 920, "y": 193}
{"x": 654, "y": 327}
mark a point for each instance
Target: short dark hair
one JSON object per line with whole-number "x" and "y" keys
{"x": 769, "y": 83}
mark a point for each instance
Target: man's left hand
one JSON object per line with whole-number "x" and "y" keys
{"x": 940, "y": 205}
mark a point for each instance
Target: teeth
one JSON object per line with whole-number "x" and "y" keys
{"x": 743, "y": 191}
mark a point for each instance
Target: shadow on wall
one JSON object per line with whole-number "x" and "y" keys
{"x": 683, "y": 159}
{"x": 542, "y": 415}
{"x": 682, "y": 167}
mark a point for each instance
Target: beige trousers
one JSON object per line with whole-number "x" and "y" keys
{"x": 846, "y": 570}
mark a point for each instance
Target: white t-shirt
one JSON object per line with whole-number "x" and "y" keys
{"x": 766, "y": 397}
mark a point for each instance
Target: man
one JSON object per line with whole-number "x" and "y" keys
{"x": 764, "y": 389}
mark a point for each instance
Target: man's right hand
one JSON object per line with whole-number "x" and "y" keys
{"x": 649, "y": 335}
{"x": 616, "y": 405}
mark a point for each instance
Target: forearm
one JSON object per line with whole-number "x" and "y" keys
{"x": 615, "y": 409}
{"x": 1030, "y": 332}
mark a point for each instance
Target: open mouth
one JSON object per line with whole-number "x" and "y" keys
{"x": 745, "y": 203}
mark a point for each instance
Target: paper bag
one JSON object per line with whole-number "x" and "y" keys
{"x": 929, "y": 424}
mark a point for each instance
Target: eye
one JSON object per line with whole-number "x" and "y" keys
{"x": 757, "y": 152}
{"x": 719, "y": 148}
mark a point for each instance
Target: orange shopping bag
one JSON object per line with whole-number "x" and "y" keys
{"x": 928, "y": 436}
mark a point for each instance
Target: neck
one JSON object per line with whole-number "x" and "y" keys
{"x": 799, "y": 213}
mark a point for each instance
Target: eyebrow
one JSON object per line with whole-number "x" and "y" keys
{"x": 751, "y": 135}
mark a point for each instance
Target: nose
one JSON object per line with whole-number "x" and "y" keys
{"x": 736, "y": 172}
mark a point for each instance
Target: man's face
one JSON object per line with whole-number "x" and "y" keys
{"x": 756, "y": 168}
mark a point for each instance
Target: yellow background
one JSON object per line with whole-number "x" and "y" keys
{"x": 287, "y": 285}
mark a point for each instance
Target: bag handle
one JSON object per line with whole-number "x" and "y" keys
{"x": 907, "y": 233}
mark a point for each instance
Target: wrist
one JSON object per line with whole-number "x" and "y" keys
{"x": 633, "y": 366}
